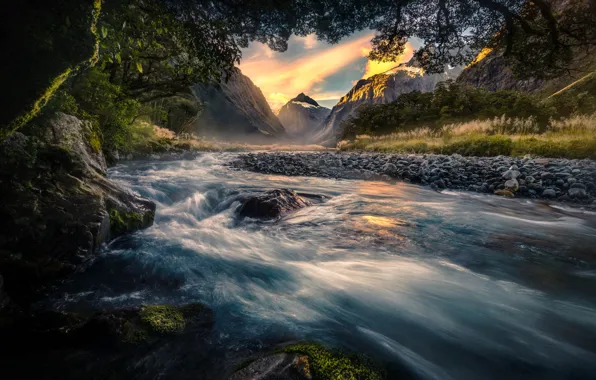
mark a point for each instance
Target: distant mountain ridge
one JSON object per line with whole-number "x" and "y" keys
{"x": 302, "y": 116}
{"x": 235, "y": 109}
{"x": 379, "y": 89}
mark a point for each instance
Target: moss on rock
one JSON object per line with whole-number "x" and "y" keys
{"x": 327, "y": 364}
{"x": 122, "y": 222}
{"x": 163, "y": 319}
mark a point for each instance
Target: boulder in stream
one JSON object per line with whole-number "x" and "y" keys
{"x": 305, "y": 361}
{"x": 272, "y": 204}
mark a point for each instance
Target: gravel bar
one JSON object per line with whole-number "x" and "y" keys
{"x": 541, "y": 178}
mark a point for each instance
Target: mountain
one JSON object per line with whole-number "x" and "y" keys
{"x": 380, "y": 89}
{"x": 492, "y": 72}
{"x": 235, "y": 109}
{"x": 302, "y": 115}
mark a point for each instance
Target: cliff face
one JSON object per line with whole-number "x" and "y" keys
{"x": 494, "y": 73}
{"x": 302, "y": 116}
{"x": 237, "y": 110}
{"x": 379, "y": 89}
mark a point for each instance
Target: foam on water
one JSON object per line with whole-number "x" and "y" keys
{"x": 450, "y": 286}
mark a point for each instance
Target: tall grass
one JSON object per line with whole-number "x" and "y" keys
{"x": 574, "y": 137}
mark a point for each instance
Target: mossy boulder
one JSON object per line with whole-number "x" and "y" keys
{"x": 56, "y": 206}
{"x": 114, "y": 329}
{"x": 312, "y": 361}
{"x": 122, "y": 222}
{"x": 144, "y": 324}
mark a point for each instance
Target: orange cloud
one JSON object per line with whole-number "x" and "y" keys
{"x": 273, "y": 76}
{"x": 377, "y": 67}
{"x": 280, "y": 80}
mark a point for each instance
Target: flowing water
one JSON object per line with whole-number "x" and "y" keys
{"x": 448, "y": 285}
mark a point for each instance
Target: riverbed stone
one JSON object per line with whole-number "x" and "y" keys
{"x": 271, "y": 204}
{"x": 512, "y": 185}
{"x": 456, "y": 172}
{"x": 576, "y": 192}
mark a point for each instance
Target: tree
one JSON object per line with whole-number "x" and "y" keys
{"x": 154, "y": 49}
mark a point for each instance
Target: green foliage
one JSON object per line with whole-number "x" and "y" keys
{"x": 451, "y": 102}
{"x": 327, "y": 364}
{"x": 480, "y": 146}
{"x": 104, "y": 102}
{"x": 163, "y": 319}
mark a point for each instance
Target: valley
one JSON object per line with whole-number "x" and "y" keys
{"x": 298, "y": 190}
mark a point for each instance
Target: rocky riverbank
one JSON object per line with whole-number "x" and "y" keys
{"x": 540, "y": 178}
{"x": 57, "y": 206}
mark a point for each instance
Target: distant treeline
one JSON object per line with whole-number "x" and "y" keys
{"x": 452, "y": 103}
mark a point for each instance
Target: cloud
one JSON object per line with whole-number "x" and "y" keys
{"x": 274, "y": 76}
{"x": 309, "y": 42}
{"x": 309, "y": 66}
{"x": 377, "y": 67}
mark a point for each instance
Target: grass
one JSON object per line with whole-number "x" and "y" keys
{"x": 574, "y": 137}
{"x": 148, "y": 138}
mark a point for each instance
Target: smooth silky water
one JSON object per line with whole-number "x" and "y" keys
{"x": 447, "y": 285}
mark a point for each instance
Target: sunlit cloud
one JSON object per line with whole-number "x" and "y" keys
{"x": 309, "y": 41}
{"x": 309, "y": 66}
{"x": 377, "y": 67}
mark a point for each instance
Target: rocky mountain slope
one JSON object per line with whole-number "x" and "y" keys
{"x": 494, "y": 73}
{"x": 379, "y": 89}
{"x": 236, "y": 109}
{"x": 302, "y": 116}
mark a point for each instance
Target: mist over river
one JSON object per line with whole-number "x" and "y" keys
{"x": 449, "y": 285}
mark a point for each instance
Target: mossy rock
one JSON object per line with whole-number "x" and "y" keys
{"x": 309, "y": 360}
{"x": 163, "y": 319}
{"x": 122, "y": 222}
{"x": 328, "y": 364}
{"x": 149, "y": 322}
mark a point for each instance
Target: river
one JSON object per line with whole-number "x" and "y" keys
{"x": 449, "y": 285}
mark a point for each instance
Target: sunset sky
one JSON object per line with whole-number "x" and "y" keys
{"x": 323, "y": 71}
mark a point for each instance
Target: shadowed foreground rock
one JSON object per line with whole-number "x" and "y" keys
{"x": 57, "y": 206}
{"x": 272, "y": 204}
{"x": 130, "y": 343}
{"x": 306, "y": 361}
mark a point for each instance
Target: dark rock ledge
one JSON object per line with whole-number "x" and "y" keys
{"x": 57, "y": 206}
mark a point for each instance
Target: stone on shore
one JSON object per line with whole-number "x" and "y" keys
{"x": 525, "y": 177}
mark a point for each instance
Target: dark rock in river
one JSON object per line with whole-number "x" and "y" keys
{"x": 57, "y": 206}
{"x": 107, "y": 344}
{"x": 310, "y": 361}
{"x": 272, "y": 204}
{"x": 282, "y": 366}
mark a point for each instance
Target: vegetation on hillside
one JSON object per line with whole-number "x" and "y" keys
{"x": 471, "y": 121}
{"x": 573, "y": 137}
{"x": 144, "y": 54}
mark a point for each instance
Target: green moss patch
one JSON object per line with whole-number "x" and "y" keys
{"x": 163, "y": 319}
{"x": 122, "y": 222}
{"x": 327, "y": 364}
